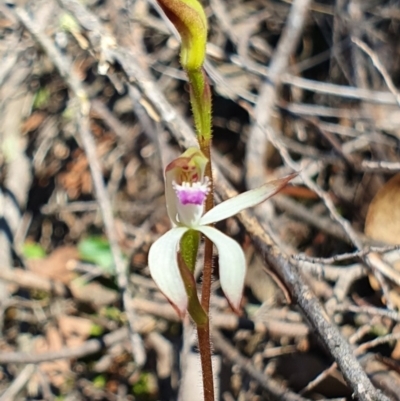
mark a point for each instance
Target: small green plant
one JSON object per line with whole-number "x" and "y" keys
{"x": 189, "y": 196}
{"x": 96, "y": 330}
{"x": 100, "y": 381}
{"x": 143, "y": 389}
{"x": 33, "y": 250}
{"x": 41, "y": 99}
{"x": 97, "y": 250}
{"x": 112, "y": 313}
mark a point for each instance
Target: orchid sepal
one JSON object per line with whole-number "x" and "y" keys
{"x": 173, "y": 277}
{"x": 164, "y": 269}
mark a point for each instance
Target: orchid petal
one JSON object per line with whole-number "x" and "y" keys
{"x": 243, "y": 201}
{"x": 163, "y": 265}
{"x": 232, "y": 265}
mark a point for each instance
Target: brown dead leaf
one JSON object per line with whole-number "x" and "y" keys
{"x": 261, "y": 284}
{"x": 383, "y": 224}
{"x": 76, "y": 172}
{"x": 33, "y": 122}
{"x": 76, "y": 179}
{"x": 383, "y": 217}
{"x": 299, "y": 192}
{"x": 396, "y": 350}
{"x": 56, "y": 265}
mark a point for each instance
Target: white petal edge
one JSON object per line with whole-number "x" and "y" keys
{"x": 232, "y": 265}
{"x": 164, "y": 270}
{"x": 243, "y": 201}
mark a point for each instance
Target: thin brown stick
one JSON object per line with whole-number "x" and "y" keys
{"x": 349, "y": 92}
{"x": 380, "y": 166}
{"x": 346, "y": 256}
{"x": 368, "y": 310}
{"x": 256, "y": 144}
{"x": 26, "y": 279}
{"x": 19, "y": 383}
{"x": 379, "y": 66}
{"x": 87, "y": 348}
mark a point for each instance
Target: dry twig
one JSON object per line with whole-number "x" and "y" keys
{"x": 87, "y": 348}
{"x": 267, "y": 98}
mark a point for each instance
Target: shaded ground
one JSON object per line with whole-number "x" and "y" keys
{"x": 98, "y": 92}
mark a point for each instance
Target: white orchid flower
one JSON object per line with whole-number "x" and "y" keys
{"x": 186, "y": 190}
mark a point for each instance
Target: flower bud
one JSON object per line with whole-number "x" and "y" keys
{"x": 190, "y": 20}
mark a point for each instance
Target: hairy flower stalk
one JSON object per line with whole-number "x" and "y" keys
{"x": 190, "y": 21}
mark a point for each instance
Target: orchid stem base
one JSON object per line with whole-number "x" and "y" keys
{"x": 203, "y": 335}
